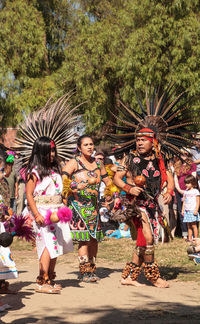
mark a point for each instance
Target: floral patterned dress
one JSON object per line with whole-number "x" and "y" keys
{"x": 84, "y": 203}
{"x": 55, "y": 237}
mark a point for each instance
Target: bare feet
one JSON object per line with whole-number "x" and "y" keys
{"x": 160, "y": 283}
{"x": 129, "y": 282}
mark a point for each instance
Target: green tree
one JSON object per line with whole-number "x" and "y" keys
{"x": 103, "y": 49}
{"x": 23, "y": 52}
{"x": 57, "y": 16}
{"x": 32, "y": 38}
{"x": 131, "y": 46}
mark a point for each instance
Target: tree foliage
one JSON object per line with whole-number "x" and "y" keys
{"x": 104, "y": 49}
{"x": 32, "y": 37}
{"x": 137, "y": 44}
{"x": 57, "y": 15}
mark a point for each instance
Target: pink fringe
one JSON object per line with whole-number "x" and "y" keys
{"x": 47, "y": 217}
{"x": 64, "y": 214}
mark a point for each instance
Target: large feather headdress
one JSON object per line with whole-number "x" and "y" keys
{"x": 162, "y": 115}
{"x": 56, "y": 121}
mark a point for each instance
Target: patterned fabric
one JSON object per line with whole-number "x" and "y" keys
{"x": 150, "y": 170}
{"x": 83, "y": 202}
{"x": 55, "y": 237}
{"x": 189, "y": 217}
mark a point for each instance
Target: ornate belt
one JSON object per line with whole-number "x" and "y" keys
{"x": 48, "y": 200}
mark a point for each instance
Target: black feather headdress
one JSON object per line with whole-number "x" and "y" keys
{"x": 162, "y": 114}
{"x": 56, "y": 121}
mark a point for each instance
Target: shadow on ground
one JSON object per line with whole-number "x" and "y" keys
{"x": 168, "y": 273}
{"x": 171, "y": 273}
{"x": 173, "y": 313}
{"x": 16, "y": 299}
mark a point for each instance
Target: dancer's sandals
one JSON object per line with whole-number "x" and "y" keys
{"x": 46, "y": 289}
{"x": 94, "y": 276}
{"x": 88, "y": 277}
{"x": 56, "y": 286}
{"x": 52, "y": 282}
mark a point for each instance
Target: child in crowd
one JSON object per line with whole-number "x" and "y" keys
{"x": 122, "y": 231}
{"x": 190, "y": 206}
{"x": 44, "y": 187}
{"x": 7, "y": 265}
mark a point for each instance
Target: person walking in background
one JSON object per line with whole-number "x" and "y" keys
{"x": 21, "y": 192}
{"x": 195, "y": 151}
{"x": 190, "y": 206}
{"x": 12, "y": 181}
{"x": 20, "y": 185}
{"x": 173, "y": 204}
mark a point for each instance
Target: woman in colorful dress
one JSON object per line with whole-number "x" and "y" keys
{"x": 81, "y": 179}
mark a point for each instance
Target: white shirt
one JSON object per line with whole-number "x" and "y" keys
{"x": 190, "y": 198}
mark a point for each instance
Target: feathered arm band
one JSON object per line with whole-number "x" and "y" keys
{"x": 111, "y": 190}
{"x": 109, "y": 170}
{"x": 66, "y": 187}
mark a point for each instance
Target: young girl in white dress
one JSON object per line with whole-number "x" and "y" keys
{"x": 44, "y": 187}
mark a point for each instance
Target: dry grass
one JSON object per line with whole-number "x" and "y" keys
{"x": 172, "y": 257}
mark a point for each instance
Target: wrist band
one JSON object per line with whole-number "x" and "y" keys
{"x": 36, "y": 215}
{"x": 170, "y": 191}
{"x": 127, "y": 188}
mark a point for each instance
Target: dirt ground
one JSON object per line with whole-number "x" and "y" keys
{"x": 104, "y": 302}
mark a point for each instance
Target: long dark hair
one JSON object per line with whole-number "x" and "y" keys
{"x": 41, "y": 158}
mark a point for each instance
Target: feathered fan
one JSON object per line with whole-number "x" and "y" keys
{"x": 56, "y": 121}
{"x": 161, "y": 114}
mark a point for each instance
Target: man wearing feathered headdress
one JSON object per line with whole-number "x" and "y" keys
{"x": 156, "y": 131}
{"x": 145, "y": 176}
